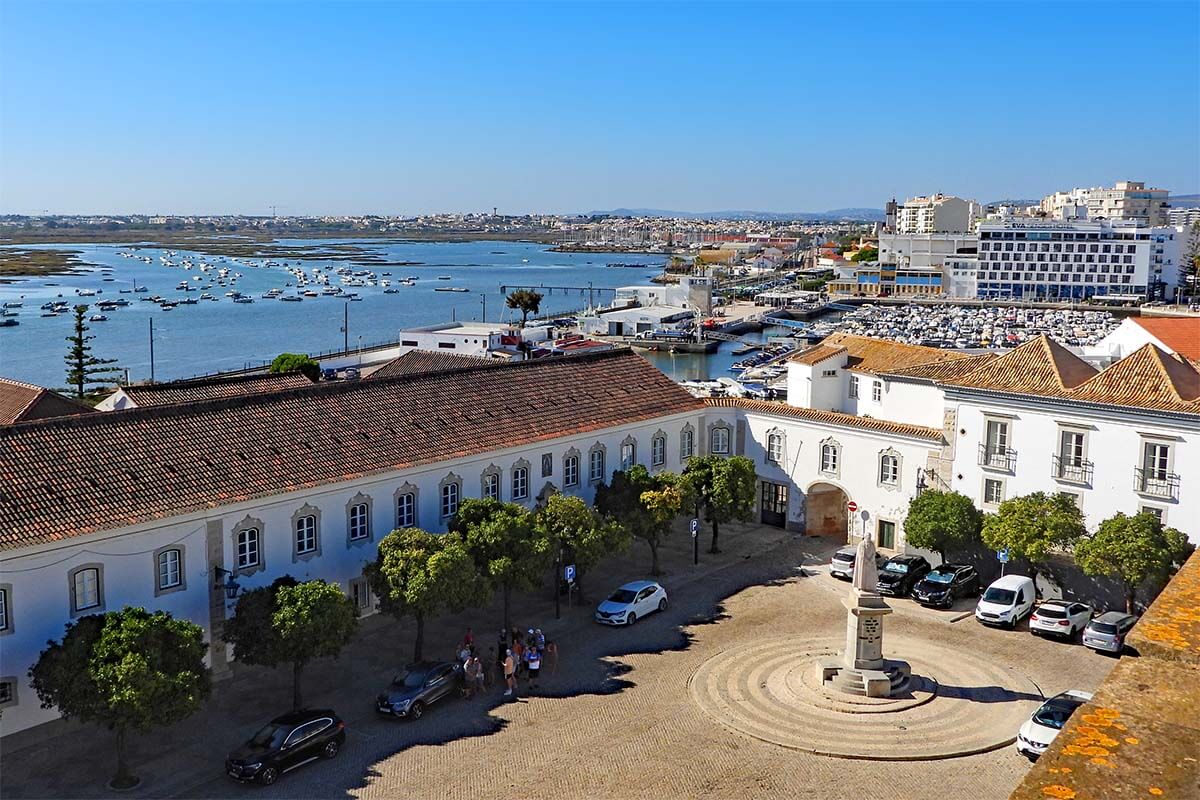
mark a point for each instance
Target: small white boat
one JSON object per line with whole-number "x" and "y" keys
{"x": 97, "y": 318}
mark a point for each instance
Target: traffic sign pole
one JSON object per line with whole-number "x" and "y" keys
{"x": 695, "y": 542}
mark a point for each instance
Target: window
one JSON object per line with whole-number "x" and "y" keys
{"x": 996, "y": 442}
{"x": 1155, "y": 511}
{"x": 853, "y": 386}
{"x": 450, "y": 499}
{"x": 571, "y": 471}
{"x": 8, "y": 692}
{"x": 829, "y": 457}
{"x": 247, "y": 548}
{"x": 4, "y": 613}
{"x": 360, "y": 521}
{"x": 775, "y": 448}
{"x": 306, "y": 534}
{"x": 885, "y": 535}
{"x": 85, "y": 584}
{"x": 993, "y": 492}
{"x": 877, "y": 391}
{"x": 719, "y": 443}
{"x": 628, "y": 455}
{"x": 687, "y": 444}
{"x": 406, "y": 510}
{"x": 491, "y": 486}
{"x": 1156, "y": 459}
{"x": 596, "y": 465}
{"x": 889, "y": 469}
{"x": 829, "y": 373}
{"x": 360, "y": 593}
{"x": 520, "y": 483}
{"x": 658, "y": 451}
{"x": 170, "y": 569}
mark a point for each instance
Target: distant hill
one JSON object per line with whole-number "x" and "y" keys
{"x": 834, "y": 215}
{"x": 1184, "y": 200}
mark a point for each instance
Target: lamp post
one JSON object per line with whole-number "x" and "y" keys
{"x": 230, "y": 585}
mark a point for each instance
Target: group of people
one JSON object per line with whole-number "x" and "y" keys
{"x": 516, "y": 655}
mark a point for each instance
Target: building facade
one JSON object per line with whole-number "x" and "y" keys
{"x": 936, "y": 213}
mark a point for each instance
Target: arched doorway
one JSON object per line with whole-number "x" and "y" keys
{"x": 825, "y": 511}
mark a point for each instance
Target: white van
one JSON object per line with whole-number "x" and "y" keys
{"x": 1006, "y": 601}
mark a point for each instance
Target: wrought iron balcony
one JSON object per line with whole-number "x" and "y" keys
{"x": 1156, "y": 484}
{"x": 1071, "y": 470}
{"x": 997, "y": 457}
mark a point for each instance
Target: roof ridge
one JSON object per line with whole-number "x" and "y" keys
{"x": 207, "y": 380}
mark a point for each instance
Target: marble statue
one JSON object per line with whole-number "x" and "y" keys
{"x": 866, "y": 574}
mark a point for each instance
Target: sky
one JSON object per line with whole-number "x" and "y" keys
{"x": 406, "y": 108}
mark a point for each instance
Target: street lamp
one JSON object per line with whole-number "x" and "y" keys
{"x": 921, "y": 485}
{"x": 230, "y": 585}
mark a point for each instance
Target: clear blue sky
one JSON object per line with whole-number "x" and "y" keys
{"x": 176, "y": 107}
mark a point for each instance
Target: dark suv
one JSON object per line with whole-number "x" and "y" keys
{"x": 941, "y": 587}
{"x": 900, "y": 574}
{"x": 285, "y": 743}
{"x": 417, "y": 686}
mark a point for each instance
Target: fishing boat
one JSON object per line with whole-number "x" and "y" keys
{"x": 451, "y": 289}
{"x": 98, "y": 318}
{"x": 10, "y": 322}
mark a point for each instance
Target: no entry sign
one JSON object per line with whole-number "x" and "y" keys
{"x": 852, "y": 506}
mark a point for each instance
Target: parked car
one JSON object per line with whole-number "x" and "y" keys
{"x": 947, "y": 583}
{"x": 1060, "y": 618}
{"x": 418, "y": 686}
{"x": 1007, "y": 601}
{"x": 285, "y": 743}
{"x": 900, "y": 574}
{"x": 1040, "y": 729}
{"x": 842, "y": 563}
{"x": 1106, "y": 633}
{"x": 329, "y": 374}
{"x": 631, "y": 602}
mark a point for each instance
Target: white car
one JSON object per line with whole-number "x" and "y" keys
{"x": 631, "y": 602}
{"x": 1060, "y": 618}
{"x": 1040, "y": 729}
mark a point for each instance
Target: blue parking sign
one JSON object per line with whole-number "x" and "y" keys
{"x": 569, "y": 573}
{"x": 695, "y": 527}
{"x": 1002, "y": 556}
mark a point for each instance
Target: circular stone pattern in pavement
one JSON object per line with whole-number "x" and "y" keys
{"x": 957, "y": 704}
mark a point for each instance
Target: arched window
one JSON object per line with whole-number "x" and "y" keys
{"x": 889, "y": 468}
{"x": 719, "y": 441}
{"x": 658, "y": 451}
{"x": 450, "y": 496}
{"x": 775, "y": 448}
{"x": 248, "y": 553}
{"x": 491, "y": 486}
{"x": 520, "y": 483}
{"x": 360, "y": 521}
{"x": 406, "y": 510}
{"x": 596, "y": 464}
{"x": 687, "y": 443}
{"x": 830, "y": 457}
{"x": 306, "y": 534}
{"x": 571, "y": 471}
{"x": 628, "y": 454}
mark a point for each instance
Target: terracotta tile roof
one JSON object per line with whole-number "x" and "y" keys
{"x": 418, "y": 361}
{"x": 201, "y": 389}
{"x": 827, "y": 417}
{"x": 817, "y": 354}
{"x": 945, "y": 370}
{"x": 881, "y": 355}
{"x": 65, "y": 477}
{"x": 1146, "y": 378}
{"x": 1181, "y": 334}
{"x": 1040, "y": 366}
{"x": 20, "y": 402}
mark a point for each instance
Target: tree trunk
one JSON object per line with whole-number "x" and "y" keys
{"x": 123, "y": 779}
{"x": 419, "y": 642}
{"x": 1130, "y": 598}
{"x": 716, "y": 531}
{"x": 507, "y": 598}
{"x": 653, "y": 556}
{"x": 297, "y": 667}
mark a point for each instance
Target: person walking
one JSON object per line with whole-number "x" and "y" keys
{"x": 472, "y": 677}
{"x": 533, "y": 663}
{"x": 510, "y": 680}
{"x": 552, "y": 656}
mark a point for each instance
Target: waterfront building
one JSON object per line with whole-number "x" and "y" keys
{"x": 936, "y": 213}
{"x": 692, "y": 291}
{"x": 886, "y": 280}
{"x": 468, "y": 338}
{"x": 635, "y": 319}
{"x": 925, "y": 250}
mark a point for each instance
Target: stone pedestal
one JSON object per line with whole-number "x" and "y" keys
{"x": 862, "y": 669}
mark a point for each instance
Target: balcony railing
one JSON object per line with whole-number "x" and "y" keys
{"x": 1156, "y": 484}
{"x": 1071, "y": 470}
{"x": 997, "y": 457}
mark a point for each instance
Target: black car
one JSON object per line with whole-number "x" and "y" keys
{"x": 947, "y": 583}
{"x": 285, "y": 743}
{"x": 419, "y": 685}
{"x": 900, "y": 574}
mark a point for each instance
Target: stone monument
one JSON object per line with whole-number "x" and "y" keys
{"x": 862, "y": 669}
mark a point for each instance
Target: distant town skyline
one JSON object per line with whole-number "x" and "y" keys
{"x": 404, "y": 109}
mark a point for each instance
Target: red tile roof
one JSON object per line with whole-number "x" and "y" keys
{"x": 827, "y": 417}
{"x": 199, "y": 389}
{"x": 65, "y": 477}
{"x": 1040, "y": 366}
{"x": 868, "y": 354}
{"x": 1181, "y": 334}
{"x": 1146, "y": 378}
{"x": 419, "y": 361}
{"x": 20, "y": 402}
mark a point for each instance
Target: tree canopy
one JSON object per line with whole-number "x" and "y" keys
{"x": 1133, "y": 549}
{"x": 866, "y": 254}
{"x": 644, "y": 505}
{"x": 942, "y": 522}
{"x": 127, "y": 670}
{"x": 723, "y": 488}
{"x": 509, "y": 552}
{"x": 584, "y": 535}
{"x": 85, "y": 370}
{"x": 297, "y": 362}
{"x": 527, "y": 301}
{"x": 418, "y": 574}
{"x": 1032, "y": 525}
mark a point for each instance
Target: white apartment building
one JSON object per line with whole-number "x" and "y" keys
{"x": 936, "y": 213}
{"x": 924, "y": 250}
{"x": 1070, "y": 205}
{"x": 1129, "y": 200}
{"x": 1030, "y": 258}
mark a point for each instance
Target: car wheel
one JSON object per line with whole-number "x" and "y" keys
{"x": 330, "y": 749}
{"x": 268, "y": 776}
{"x": 662, "y": 604}
{"x": 418, "y": 708}
{"x": 632, "y": 618}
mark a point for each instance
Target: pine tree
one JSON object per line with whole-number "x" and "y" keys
{"x": 83, "y": 368}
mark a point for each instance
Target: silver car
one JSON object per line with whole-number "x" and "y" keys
{"x": 1106, "y": 633}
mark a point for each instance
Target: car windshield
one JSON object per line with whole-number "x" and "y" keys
{"x": 271, "y": 736}
{"x": 622, "y": 596}
{"x": 940, "y": 577}
{"x": 410, "y": 678}
{"x": 1055, "y": 712}
{"x": 896, "y": 567}
{"x": 1004, "y": 597}
{"x": 1103, "y": 627}
{"x": 1052, "y": 612}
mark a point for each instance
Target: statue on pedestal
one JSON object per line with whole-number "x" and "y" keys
{"x": 866, "y": 574}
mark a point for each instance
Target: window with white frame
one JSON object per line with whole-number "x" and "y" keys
{"x": 86, "y": 588}
{"x": 830, "y": 457}
{"x": 687, "y": 444}
{"x": 853, "y": 387}
{"x": 248, "y": 555}
{"x": 1156, "y": 460}
{"x": 877, "y": 391}
{"x": 450, "y": 495}
{"x": 406, "y": 510}
{"x": 889, "y": 469}
{"x": 491, "y": 486}
{"x": 520, "y": 483}
{"x": 993, "y": 491}
{"x": 306, "y": 534}
{"x": 170, "y": 568}
{"x": 775, "y": 448}
{"x": 719, "y": 440}
{"x": 360, "y": 521}
{"x": 658, "y": 451}
{"x": 1157, "y": 512}
{"x": 4, "y": 609}
{"x": 628, "y": 455}
{"x": 8, "y": 692}
{"x": 571, "y": 471}
{"x": 596, "y": 465}
{"x": 360, "y": 593}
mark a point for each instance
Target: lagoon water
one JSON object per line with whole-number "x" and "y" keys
{"x": 214, "y": 336}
